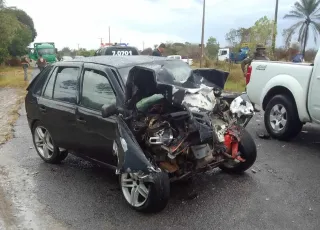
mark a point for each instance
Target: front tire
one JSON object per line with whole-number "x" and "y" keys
{"x": 248, "y": 151}
{"x": 146, "y": 197}
{"x": 45, "y": 145}
{"x": 281, "y": 118}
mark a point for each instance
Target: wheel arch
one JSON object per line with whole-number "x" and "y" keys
{"x": 277, "y": 90}
{"x": 289, "y": 86}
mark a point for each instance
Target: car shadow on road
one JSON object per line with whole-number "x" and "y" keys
{"x": 94, "y": 191}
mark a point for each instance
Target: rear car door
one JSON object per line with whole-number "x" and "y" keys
{"x": 58, "y": 104}
{"x": 98, "y": 87}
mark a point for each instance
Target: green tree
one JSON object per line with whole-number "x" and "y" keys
{"x": 20, "y": 42}
{"x": 212, "y": 47}
{"x": 8, "y": 27}
{"x": 307, "y": 12}
{"x": 83, "y": 52}
{"x": 24, "y": 19}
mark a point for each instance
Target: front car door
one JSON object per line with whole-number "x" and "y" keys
{"x": 314, "y": 95}
{"x": 98, "y": 87}
{"x": 57, "y": 104}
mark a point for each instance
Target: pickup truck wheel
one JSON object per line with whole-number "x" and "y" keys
{"x": 281, "y": 118}
{"x": 148, "y": 197}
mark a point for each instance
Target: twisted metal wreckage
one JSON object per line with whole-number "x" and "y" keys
{"x": 143, "y": 122}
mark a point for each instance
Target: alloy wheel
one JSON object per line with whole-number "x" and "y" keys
{"x": 278, "y": 117}
{"x": 135, "y": 191}
{"x": 43, "y": 142}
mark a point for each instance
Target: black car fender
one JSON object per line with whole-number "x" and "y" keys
{"x": 131, "y": 157}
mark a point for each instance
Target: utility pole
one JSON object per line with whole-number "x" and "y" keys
{"x": 78, "y": 46}
{"x": 142, "y": 45}
{"x": 109, "y": 36}
{"x": 202, "y": 33}
{"x": 101, "y": 41}
{"x": 275, "y": 28}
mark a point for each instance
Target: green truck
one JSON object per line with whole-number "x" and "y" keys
{"x": 46, "y": 49}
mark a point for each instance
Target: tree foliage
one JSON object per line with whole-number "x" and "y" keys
{"x": 16, "y": 31}
{"x": 212, "y": 47}
{"x": 24, "y": 19}
{"x": 259, "y": 33}
{"x": 308, "y": 16}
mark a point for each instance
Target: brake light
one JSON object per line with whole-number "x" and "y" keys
{"x": 248, "y": 74}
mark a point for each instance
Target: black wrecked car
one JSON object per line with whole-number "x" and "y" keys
{"x": 151, "y": 119}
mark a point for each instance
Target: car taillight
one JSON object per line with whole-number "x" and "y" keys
{"x": 248, "y": 74}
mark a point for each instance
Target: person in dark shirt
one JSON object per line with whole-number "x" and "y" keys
{"x": 159, "y": 51}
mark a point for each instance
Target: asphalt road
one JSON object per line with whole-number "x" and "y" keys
{"x": 283, "y": 193}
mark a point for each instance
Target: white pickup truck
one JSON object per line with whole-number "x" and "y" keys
{"x": 289, "y": 94}
{"x": 187, "y": 60}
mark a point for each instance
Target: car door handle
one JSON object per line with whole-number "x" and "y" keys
{"x": 81, "y": 120}
{"x": 43, "y": 109}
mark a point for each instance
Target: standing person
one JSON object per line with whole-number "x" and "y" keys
{"x": 260, "y": 54}
{"x": 159, "y": 51}
{"x": 25, "y": 64}
{"x": 298, "y": 58}
{"x": 41, "y": 62}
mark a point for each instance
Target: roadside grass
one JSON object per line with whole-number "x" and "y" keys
{"x": 236, "y": 80}
{"x": 12, "y": 77}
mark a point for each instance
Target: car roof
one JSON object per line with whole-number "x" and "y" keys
{"x": 122, "y": 61}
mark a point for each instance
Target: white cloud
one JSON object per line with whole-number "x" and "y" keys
{"x": 72, "y": 22}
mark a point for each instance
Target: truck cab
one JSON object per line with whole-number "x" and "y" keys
{"x": 46, "y": 49}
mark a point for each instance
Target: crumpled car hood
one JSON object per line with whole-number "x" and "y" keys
{"x": 197, "y": 92}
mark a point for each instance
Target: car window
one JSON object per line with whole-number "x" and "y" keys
{"x": 41, "y": 79}
{"x": 65, "y": 88}
{"x": 49, "y": 88}
{"x": 96, "y": 90}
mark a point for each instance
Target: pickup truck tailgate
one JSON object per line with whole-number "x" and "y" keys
{"x": 266, "y": 75}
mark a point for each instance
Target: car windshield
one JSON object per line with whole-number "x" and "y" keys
{"x": 179, "y": 70}
{"x": 46, "y": 51}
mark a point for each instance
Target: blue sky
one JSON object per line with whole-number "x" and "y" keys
{"x": 148, "y": 22}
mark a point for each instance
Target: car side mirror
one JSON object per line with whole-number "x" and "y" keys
{"x": 109, "y": 110}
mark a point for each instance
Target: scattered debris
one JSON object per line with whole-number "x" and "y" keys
{"x": 263, "y": 135}
{"x": 253, "y": 170}
{"x": 304, "y": 131}
{"x": 310, "y": 209}
{"x": 267, "y": 198}
{"x": 31, "y": 147}
{"x": 283, "y": 146}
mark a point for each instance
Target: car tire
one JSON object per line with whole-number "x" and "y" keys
{"x": 157, "y": 196}
{"x": 45, "y": 145}
{"x": 248, "y": 151}
{"x": 292, "y": 125}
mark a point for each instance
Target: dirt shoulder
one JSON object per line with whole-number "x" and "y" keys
{"x": 12, "y": 92}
